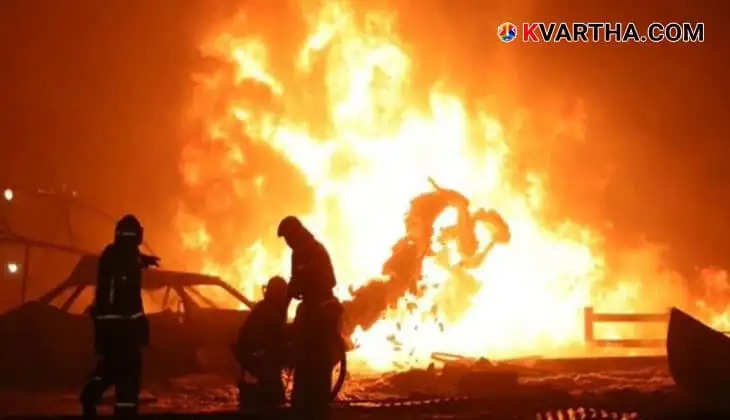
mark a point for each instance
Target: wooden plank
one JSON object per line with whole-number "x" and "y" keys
{"x": 630, "y": 343}
{"x": 591, "y": 317}
{"x": 630, "y": 317}
{"x": 588, "y": 323}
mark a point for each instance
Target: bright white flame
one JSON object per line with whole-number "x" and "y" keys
{"x": 13, "y": 268}
{"x": 8, "y": 194}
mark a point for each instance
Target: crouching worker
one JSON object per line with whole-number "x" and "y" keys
{"x": 261, "y": 350}
{"x": 120, "y": 326}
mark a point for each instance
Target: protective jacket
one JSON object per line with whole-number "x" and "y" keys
{"x": 312, "y": 277}
{"x": 262, "y": 337}
{"x": 119, "y": 318}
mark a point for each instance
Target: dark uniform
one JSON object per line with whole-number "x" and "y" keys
{"x": 120, "y": 326}
{"x": 317, "y": 321}
{"x": 261, "y": 350}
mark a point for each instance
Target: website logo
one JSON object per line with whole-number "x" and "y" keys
{"x": 507, "y": 32}
{"x": 599, "y": 32}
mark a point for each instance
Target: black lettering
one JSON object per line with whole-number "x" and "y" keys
{"x": 631, "y": 33}
{"x": 579, "y": 32}
{"x": 613, "y": 32}
{"x": 563, "y": 33}
{"x": 596, "y": 30}
{"x": 656, "y": 32}
{"x": 546, "y": 36}
{"x": 693, "y": 34}
{"x": 673, "y": 32}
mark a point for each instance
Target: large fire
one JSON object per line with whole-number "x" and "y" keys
{"x": 336, "y": 135}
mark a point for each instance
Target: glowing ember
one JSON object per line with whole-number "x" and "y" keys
{"x": 8, "y": 194}
{"x": 334, "y": 135}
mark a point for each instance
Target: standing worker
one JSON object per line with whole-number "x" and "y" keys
{"x": 317, "y": 338}
{"x": 120, "y": 326}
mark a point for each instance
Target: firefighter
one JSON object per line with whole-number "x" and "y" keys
{"x": 261, "y": 350}
{"x": 317, "y": 321}
{"x": 120, "y": 326}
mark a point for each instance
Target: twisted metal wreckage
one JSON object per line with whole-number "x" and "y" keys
{"x": 402, "y": 271}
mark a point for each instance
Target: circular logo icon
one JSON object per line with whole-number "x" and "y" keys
{"x": 507, "y": 32}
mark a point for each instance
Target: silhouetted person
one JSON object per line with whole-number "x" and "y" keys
{"x": 317, "y": 321}
{"x": 261, "y": 349}
{"x": 120, "y": 325}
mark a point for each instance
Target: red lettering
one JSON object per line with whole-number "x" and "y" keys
{"x": 529, "y": 32}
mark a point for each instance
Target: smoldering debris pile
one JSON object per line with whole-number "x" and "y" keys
{"x": 482, "y": 377}
{"x": 476, "y": 379}
{"x": 633, "y": 388}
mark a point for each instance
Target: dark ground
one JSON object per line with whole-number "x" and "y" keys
{"x": 618, "y": 388}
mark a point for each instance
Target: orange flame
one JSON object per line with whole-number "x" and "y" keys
{"x": 340, "y": 117}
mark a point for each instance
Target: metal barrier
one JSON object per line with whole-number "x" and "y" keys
{"x": 591, "y": 317}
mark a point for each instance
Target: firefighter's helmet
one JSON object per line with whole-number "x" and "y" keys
{"x": 289, "y": 226}
{"x": 275, "y": 289}
{"x": 129, "y": 229}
